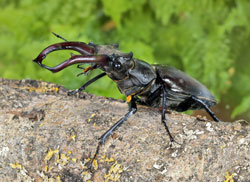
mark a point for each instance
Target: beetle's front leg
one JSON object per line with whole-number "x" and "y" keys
{"x": 86, "y": 84}
{"x": 163, "y": 115}
{"x": 102, "y": 139}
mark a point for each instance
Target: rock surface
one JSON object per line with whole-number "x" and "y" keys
{"x": 49, "y": 136}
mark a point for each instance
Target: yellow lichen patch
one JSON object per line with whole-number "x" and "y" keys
{"x": 20, "y": 168}
{"x": 106, "y": 159}
{"x": 103, "y": 157}
{"x": 86, "y": 176}
{"x": 58, "y": 179}
{"x": 92, "y": 116}
{"x": 87, "y": 160}
{"x": 85, "y": 173}
{"x": 229, "y": 178}
{"x": 223, "y": 146}
{"x": 57, "y": 158}
{"x": 111, "y": 159}
{"x": 46, "y": 168}
{"x": 16, "y": 166}
{"x": 42, "y": 89}
{"x": 49, "y": 179}
{"x": 83, "y": 164}
{"x": 50, "y": 154}
{"x": 114, "y": 172}
{"x": 64, "y": 159}
{"x": 74, "y": 160}
{"x": 61, "y": 159}
{"x": 73, "y": 137}
{"x": 56, "y": 161}
{"x": 95, "y": 164}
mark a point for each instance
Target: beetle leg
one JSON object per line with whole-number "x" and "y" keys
{"x": 102, "y": 139}
{"x": 86, "y": 84}
{"x": 163, "y": 115}
{"x": 209, "y": 111}
{"x": 85, "y": 70}
{"x": 80, "y": 66}
{"x": 89, "y": 69}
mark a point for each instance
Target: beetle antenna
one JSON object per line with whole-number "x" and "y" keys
{"x": 58, "y": 36}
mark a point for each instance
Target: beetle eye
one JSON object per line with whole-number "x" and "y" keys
{"x": 117, "y": 66}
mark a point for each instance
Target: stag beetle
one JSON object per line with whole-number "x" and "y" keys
{"x": 151, "y": 85}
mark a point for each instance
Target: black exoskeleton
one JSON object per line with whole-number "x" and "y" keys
{"x": 152, "y": 85}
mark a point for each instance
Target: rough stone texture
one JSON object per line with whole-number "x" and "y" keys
{"x": 48, "y": 136}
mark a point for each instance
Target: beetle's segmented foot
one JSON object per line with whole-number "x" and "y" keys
{"x": 216, "y": 119}
{"x": 93, "y": 162}
{"x": 73, "y": 92}
{"x": 80, "y": 66}
{"x": 172, "y": 140}
{"x": 200, "y": 118}
{"x": 79, "y": 74}
{"x": 90, "y": 167}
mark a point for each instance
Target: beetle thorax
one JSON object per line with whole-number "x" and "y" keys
{"x": 140, "y": 76}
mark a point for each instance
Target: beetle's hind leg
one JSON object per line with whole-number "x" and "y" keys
{"x": 209, "y": 111}
{"x": 163, "y": 115}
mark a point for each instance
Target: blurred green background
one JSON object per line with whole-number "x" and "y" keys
{"x": 207, "y": 39}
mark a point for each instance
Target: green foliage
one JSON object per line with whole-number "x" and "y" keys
{"x": 207, "y": 39}
{"x": 243, "y": 107}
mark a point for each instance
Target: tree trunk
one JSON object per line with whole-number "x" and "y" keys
{"x": 47, "y": 135}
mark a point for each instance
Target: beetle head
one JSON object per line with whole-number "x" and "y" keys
{"x": 118, "y": 65}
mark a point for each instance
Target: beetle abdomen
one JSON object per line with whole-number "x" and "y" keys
{"x": 182, "y": 86}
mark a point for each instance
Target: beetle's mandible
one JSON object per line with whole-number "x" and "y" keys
{"x": 151, "y": 85}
